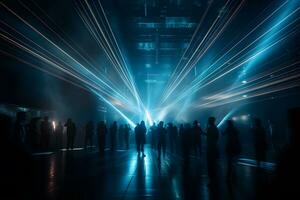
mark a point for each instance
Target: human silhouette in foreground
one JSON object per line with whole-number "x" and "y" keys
{"x": 173, "y": 133}
{"x": 113, "y": 134}
{"x": 212, "y": 134}
{"x": 180, "y": 137}
{"x": 153, "y": 132}
{"x": 286, "y": 182}
{"x": 162, "y": 139}
{"x": 19, "y": 132}
{"x": 101, "y": 132}
{"x": 196, "y": 136}
{"x": 232, "y": 148}
{"x": 260, "y": 141}
{"x": 71, "y": 133}
{"x": 58, "y": 134}
{"x": 276, "y": 136}
{"x": 17, "y": 166}
{"x": 140, "y": 137}
{"x": 126, "y": 135}
{"x": 34, "y": 133}
{"x": 89, "y": 133}
{"x": 46, "y": 132}
{"x": 121, "y": 135}
{"x": 186, "y": 141}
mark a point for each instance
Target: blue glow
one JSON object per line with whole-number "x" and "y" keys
{"x": 147, "y": 46}
{"x": 147, "y": 25}
{"x": 116, "y": 109}
{"x": 226, "y": 117}
{"x": 149, "y": 118}
{"x": 148, "y": 65}
{"x": 175, "y": 188}
{"x": 179, "y": 22}
{"x": 273, "y": 34}
{"x": 132, "y": 165}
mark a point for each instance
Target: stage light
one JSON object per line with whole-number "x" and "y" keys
{"x": 234, "y": 118}
{"x": 148, "y": 65}
{"x": 149, "y": 118}
{"x": 244, "y": 81}
{"x": 245, "y": 96}
{"x": 53, "y": 125}
{"x": 244, "y": 117}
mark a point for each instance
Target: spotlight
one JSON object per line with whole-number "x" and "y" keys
{"x": 245, "y": 96}
{"x": 53, "y": 125}
{"x": 234, "y": 118}
{"x": 244, "y": 117}
{"x": 149, "y": 118}
{"x": 148, "y": 65}
{"x": 244, "y": 81}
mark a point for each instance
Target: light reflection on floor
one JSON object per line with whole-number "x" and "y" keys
{"x": 123, "y": 174}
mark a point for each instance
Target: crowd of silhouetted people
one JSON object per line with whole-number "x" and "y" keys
{"x": 41, "y": 134}
{"x": 184, "y": 140}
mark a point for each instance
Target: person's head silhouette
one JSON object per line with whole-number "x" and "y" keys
{"x": 229, "y": 123}
{"x": 161, "y": 124}
{"x": 211, "y": 121}
{"x": 195, "y": 123}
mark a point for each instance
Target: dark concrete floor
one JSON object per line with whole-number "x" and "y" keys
{"x": 84, "y": 174}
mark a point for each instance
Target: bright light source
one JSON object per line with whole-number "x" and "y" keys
{"x": 244, "y": 81}
{"x": 244, "y": 117}
{"x": 148, "y": 65}
{"x": 245, "y": 96}
{"x": 149, "y": 118}
{"x": 234, "y": 118}
{"x": 53, "y": 125}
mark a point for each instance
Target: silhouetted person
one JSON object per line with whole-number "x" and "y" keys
{"x": 19, "y": 132}
{"x": 260, "y": 141}
{"x": 275, "y": 136}
{"x": 180, "y": 135}
{"x": 34, "y": 133}
{"x": 136, "y": 129}
{"x": 113, "y": 134}
{"x": 89, "y": 134}
{"x": 121, "y": 135}
{"x": 232, "y": 148}
{"x": 140, "y": 136}
{"x": 196, "y": 135}
{"x": 6, "y": 127}
{"x": 153, "y": 132}
{"x": 172, "y": 132}
{"x": 126, "y": 135}
{"x": 101, "y": 132}
{"x": 46, "y": 131}
{"x": 212, "y": 134}
{"x": 186, "y": 141}
{"x": 285, "y": 184}
{"x": 71, "y": 133}
{"x": 162, "y": 139}
{"x": 169, "y": 134}
{"x": 17, "y": 166}
{"x": 58, "y": 134}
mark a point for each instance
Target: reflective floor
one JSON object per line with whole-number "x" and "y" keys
{"x": 84, "y": 174}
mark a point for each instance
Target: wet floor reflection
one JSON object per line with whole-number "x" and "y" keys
{"x": 125, "y": 175}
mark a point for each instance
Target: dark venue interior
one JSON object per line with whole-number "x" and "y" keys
{"x": 149, "y": 99}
